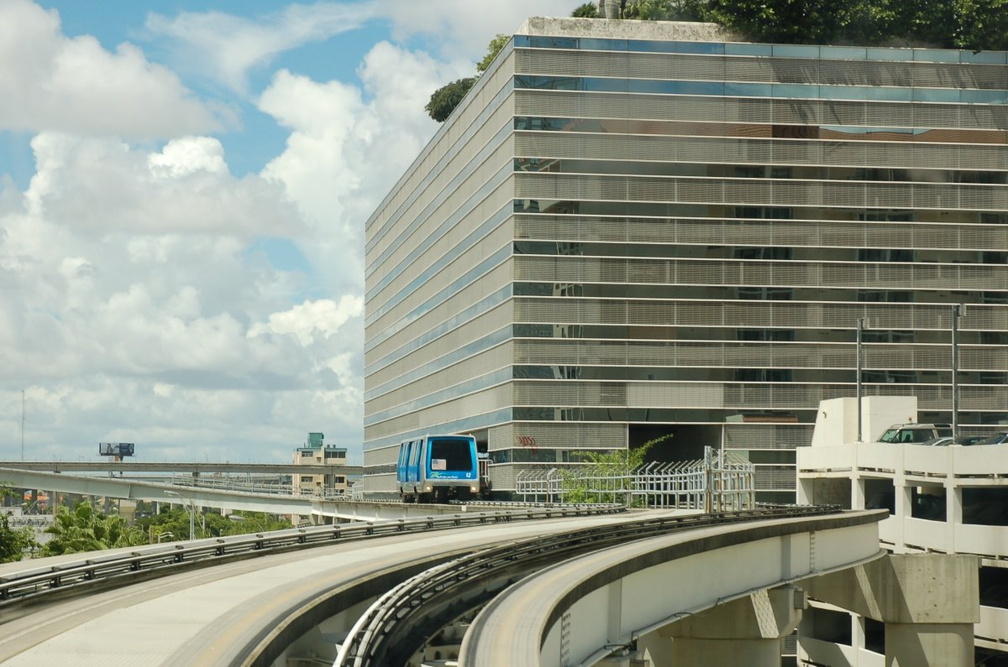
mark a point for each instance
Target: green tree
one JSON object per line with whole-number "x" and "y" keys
{"x": 446, "y": 98}
{"x": 15, "y": 543}
{"x": 83, "y": 528}
{"x": 174, "y": 523}
{"x": 495, "y": 46}
{"x": 588, "y": 10}
{"x": 667, "y": 10}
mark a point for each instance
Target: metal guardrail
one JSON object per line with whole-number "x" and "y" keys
{"x": 95, "y": 567}
{"x": 714, "y": 483}
{"x": 395, "y": 626}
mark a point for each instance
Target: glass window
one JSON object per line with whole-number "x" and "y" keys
{"x": 455, "y": 453}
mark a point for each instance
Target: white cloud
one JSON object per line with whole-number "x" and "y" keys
{"x": 348, "y": 146}
{"x": 105, "y": 186}
{"x": 458, "y": 29}
{"x": 50, "y": 82}
{"x": 227, "y": 46}
{"x": 140, "y": 316}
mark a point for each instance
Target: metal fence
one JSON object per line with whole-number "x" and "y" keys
{"x": 720, "y": 481}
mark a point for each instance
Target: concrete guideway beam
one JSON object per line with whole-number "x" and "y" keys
{"x": 929, "y": 603}
{"x": 590, "y": 607}
{"x": 744, "y": 631}
{"x": 126, "y": 488}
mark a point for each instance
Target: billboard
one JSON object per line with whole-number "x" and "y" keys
{"x": 115, "y": 449}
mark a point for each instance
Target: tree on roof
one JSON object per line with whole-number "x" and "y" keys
{"x": 444, "y": 100}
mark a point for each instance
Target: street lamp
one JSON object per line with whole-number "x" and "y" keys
{"x": 191, "y": 510}
{"x": 237, "y": 518}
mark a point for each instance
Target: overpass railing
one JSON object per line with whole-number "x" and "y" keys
{"x": 97, "y": 570}
{"x": 715, "y": 483}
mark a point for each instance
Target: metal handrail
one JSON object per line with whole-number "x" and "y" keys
{"x": 100, "y": 566}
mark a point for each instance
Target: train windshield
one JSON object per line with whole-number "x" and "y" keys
{"x": 451, "y": 454}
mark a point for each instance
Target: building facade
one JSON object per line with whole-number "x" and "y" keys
{"x": 634, "y": 230}
{"x": 316, "y": 452}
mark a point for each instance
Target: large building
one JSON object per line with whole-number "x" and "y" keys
{"x": 630, "y": 230}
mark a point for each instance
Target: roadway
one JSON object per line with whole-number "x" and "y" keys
{"x": 219, "y": 615}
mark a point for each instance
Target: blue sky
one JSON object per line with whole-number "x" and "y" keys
{"x": 183, "y": 191}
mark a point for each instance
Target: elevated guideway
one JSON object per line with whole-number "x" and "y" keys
{"x": 319, "y": 510}
{"x": 298, "y": 606}
{"x": 193, "y": 467}
{"x": 248, "y": 610}
{"x": 636, "y": 597}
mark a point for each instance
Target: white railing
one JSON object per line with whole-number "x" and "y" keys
{"x": 718, "y": 482}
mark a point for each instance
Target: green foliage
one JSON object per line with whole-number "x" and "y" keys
{"x": 581, "y": 485}
{"x": 495, "y": 46}
{"x": 15, "y": 543}
{"x": 172, "y": 524}
{"x": 961, "y": 24}
{"x": 667, "y": 10}
{"x": 588, "y": 10}
{"x": 446, "y": 98}
{"x": 83, "y": 528}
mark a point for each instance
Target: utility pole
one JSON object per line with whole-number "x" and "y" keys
{"x": 22, "y": 423}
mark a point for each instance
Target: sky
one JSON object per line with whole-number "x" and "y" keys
{"x": 183, "y": 191}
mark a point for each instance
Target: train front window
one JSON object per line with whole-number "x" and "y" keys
{"x": 450, "y": 454}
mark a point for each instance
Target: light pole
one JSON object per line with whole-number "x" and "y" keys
{"x": 860, "y": 330}
{"x": 237, "y": 518}
{"x": 191, "y": 510}
{"x": 957, "y": 312}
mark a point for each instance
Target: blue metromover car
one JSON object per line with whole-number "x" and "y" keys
{"x": 437, "y": 468}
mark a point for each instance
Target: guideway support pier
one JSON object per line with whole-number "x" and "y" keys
{"x": 928, "y": 602}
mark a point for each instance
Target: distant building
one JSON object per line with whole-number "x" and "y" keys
{"x": 316, "y": 452}
{"x": 634, "y": 229}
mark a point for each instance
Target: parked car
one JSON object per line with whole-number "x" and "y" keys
{"x": 915, "y": 434}
{"x": 964, "y": 440}
{"x": 998, "y": 438}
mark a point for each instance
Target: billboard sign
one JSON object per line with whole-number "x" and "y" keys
{"x": 115, "y": 449}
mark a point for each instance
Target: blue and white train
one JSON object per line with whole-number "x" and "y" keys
{"x": 436, "y": 468}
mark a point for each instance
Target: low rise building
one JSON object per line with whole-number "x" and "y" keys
{"x": 315, "y": 452}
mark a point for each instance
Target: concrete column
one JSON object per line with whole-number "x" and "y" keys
{"x": 903, "y": 509}
{"x": 912, "y": 644}
{"x": 858, "y": 493}
{"x": 929, "y": 603}
{"x": 746, "y": 631}
{"x": 953, "y": 512}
